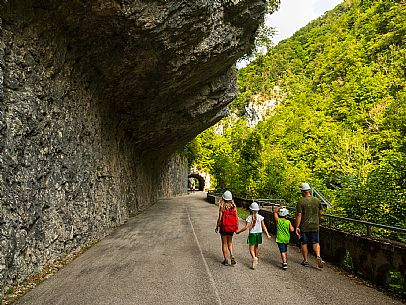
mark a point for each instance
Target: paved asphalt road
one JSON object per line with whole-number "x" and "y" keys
{"x": 171, "y": 255}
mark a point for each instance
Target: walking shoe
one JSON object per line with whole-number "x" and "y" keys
{"x": 305, "y": 263}
{"x": 254, "y": 262}
{"x": 225, "y": 262}
{"x": 232, "y": 258}
{"x": 284, "y": 266}
{"x": 320, "y": 262}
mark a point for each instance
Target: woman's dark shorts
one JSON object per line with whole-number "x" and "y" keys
{"x": 226, "y": 233}
{"x": 310, "y": 237}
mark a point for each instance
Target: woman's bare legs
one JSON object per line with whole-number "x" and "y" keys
{"x": 230, "y": 244}
{"x": 224, "y": 246}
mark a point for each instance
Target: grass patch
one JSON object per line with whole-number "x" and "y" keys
{"x": 347, "y": 263}
{"x": 396, "y": 284}
{"x": 243, "y": 213}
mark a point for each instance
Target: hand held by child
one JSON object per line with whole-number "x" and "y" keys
{"x": 298, "y": 232}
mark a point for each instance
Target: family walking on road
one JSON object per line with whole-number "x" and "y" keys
{"x": 309, "y": 210}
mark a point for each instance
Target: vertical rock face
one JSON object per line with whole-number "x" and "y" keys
{"x": 95, "y": 97}
{"x": 174, "y": 175}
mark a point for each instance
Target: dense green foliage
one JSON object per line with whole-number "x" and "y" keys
{"x": 340, "y": 124}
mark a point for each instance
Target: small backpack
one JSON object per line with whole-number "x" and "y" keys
{"x": 229, "y": 221}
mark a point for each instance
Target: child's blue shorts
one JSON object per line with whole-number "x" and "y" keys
{"x": 282, "y": 247}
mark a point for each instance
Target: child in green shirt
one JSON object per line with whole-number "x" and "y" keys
{"x": 284, "y": 227}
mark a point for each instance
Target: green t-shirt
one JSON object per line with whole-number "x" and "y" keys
{"x": 310, "y": 208}
{"x": 282, "y": 232}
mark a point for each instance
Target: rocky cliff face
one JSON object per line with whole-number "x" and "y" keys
{"x": 95, "y": 97}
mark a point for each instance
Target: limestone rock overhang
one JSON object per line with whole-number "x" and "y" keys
{"x": 164, "y": 69}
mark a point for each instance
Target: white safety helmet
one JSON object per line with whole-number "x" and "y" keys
{"x": 227, "y": 195}
{"x": 254, "y": 206}
{"x": 304, "y": 187}
{"x": 283, "y": 212}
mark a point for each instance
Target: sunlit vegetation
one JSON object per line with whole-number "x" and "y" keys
{"x": 340, "y": 124}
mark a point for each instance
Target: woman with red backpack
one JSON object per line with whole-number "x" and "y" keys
{"x": 227, "y": 221}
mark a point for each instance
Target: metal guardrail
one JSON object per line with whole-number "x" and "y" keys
{"x": 323, "y": 199}
{"x": 270, "y": 202}
{"x": 214, "y": 193}
{"x": 368, "y": 224}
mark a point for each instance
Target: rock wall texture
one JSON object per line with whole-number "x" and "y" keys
{"x": 173, "y": 180}
{"x": 95, "y": 98}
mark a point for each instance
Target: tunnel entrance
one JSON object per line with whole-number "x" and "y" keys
{"x": 195, "y": 182}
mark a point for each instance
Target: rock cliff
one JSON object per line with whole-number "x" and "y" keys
{"x": 95, "y": 98}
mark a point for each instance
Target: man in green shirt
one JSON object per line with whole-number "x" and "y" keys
{"x": 309, "y": 211}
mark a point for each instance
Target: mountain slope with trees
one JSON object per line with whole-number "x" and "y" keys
{"x": 341, "y": 124}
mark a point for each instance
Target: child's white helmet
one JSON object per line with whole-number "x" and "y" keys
{"x": 283, "y": 212}
{"x": 227, "y": 195}
{"x": 254, "y": 206}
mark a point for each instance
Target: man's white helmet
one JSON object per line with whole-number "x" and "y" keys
{"x": 227, "y": 195}
{"x": 304, "y": 187}
{"x": 254, "y": 206}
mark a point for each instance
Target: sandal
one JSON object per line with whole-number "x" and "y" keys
{"x": 305, "y": 263}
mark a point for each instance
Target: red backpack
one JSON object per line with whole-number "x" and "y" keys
{"x": 229, "y": 221}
